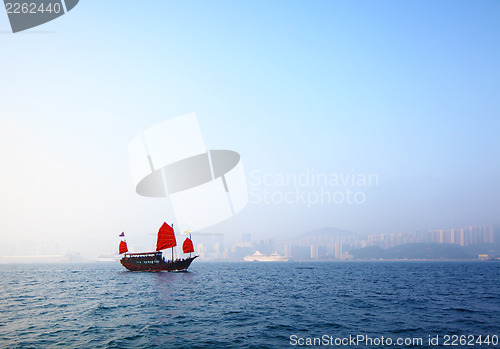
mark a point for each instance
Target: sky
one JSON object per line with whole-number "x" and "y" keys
{"x": 407, "y": 92}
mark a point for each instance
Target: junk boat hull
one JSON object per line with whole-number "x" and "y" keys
{"x": 154, "y": 262}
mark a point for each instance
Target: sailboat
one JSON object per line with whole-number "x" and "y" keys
{"x": 154, "y": 261}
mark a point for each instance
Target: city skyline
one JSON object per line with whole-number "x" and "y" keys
{"x": 322, "y": 244}
{"x": 335, "y": 244}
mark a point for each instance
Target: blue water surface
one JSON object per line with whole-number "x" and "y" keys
{"x": 248, "y": 305}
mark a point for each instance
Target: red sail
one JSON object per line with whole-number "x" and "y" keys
{"x": 187, "y": 246}
{"x": 166, "y": 237}
{"x": 123, "y": 247}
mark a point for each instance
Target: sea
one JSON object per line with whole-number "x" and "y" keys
{"x": 379, "y": 304}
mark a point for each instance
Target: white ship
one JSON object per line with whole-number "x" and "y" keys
{"x": 259, "y": 257}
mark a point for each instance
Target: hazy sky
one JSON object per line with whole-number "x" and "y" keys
{"x": 405, "y": 90}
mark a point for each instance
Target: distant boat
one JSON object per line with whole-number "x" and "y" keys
{"x": 154, "y": 261}
{"x": 259, "y": 257}
{"x": 107, "y": 257}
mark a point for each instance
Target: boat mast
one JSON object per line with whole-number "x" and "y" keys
{"x": 172, "y": 247}
{"x": 191, "y": 242}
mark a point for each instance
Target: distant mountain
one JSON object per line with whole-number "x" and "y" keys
{"x": 327, "y": 232}
{"x": 415, "y": 251}
{"x": 492, "y": 249}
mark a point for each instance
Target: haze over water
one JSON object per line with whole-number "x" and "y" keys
{"x": 405, "y": 92}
